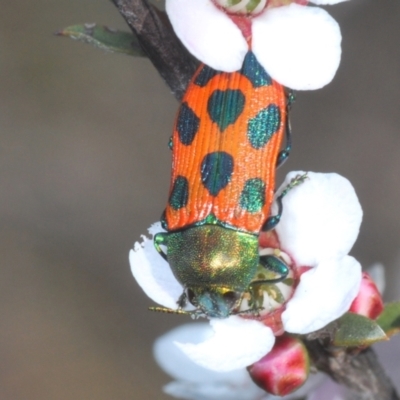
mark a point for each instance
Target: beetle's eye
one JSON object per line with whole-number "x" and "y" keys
{"x": 231, "y": 298}
{"x": 191, "y": 296}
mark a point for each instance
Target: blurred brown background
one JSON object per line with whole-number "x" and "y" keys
{"x": 85, "y": 169}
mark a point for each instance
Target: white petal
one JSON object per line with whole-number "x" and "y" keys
{"x": 236, "y": 343}
{"x": 208, "y": 33}
{"x": 194, "y": 381}
{"x": 216, "y": 390}
{"x": 324, "y": 294}
{"x": 326, "y": 2}
{"x": 321, "y": 218}
{"x": 153, "y": 273}
{"x": 211, "y": 391}
{"x": 298, "y": 46}
{"x": 175, "y": 363}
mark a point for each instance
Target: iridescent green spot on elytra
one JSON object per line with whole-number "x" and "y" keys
{"x": 211, "y": 219}
{"x": 253, "y": 70}
{"x": 216, "y": 171}
{"x": 205, "y": 75}
{"x": 187, "y": 124}
{"x": 263, "y": 126}
{"x": 252, "y": 198}
{"x": 180, "y": 193}
{"x": 225, "y": 106}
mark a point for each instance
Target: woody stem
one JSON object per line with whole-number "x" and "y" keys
{"x": 361, "y": 371}
{"x": 158, "y": 40}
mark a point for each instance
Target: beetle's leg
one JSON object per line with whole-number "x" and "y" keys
{"x": 160, "y": 239}
{"x": 276, "y": 265}
{"x": 290, "y": 97}
{"x": 271, "y": 263}
{"x": 284, "y": 154}
{"x": 271, "y": 222}
{"x": 163, "y": 220}
{"x": 182, "y": 301}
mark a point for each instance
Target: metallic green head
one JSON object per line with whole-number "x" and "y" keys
{"x": 214, "y": 264}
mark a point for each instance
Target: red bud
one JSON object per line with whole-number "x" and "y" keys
{"x": 284, "y": 369}
{"x": 368, "y": 302}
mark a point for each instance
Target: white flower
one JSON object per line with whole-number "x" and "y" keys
{"x": 319, "y": 225}
{"x": 194, "y": 381}
{"x": 197, "y": 383}
{"x": 299, "y": 46}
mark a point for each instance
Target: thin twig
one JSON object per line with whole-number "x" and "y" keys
{"x": 360, "y": 371}
{"x": 158, "y": 40}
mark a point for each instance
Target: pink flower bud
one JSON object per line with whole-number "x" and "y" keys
{"x": 368, "y": 302}
{"x": 284, "y": 369}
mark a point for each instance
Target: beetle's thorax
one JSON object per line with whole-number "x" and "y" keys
{"x": 212, "y": 256}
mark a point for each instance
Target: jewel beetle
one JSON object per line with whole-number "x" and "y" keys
{"x": 226, "y": 145}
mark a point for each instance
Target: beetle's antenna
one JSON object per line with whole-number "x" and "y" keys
{"x": 170, "y": 310}
{"x": 250, "y": 311}
{"x": 193, "y": 313}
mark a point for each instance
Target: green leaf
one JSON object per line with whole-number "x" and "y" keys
{"x": 104, "y": 38}
{"x": 353, "y": 330}
{"x": 389, "y": 320}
